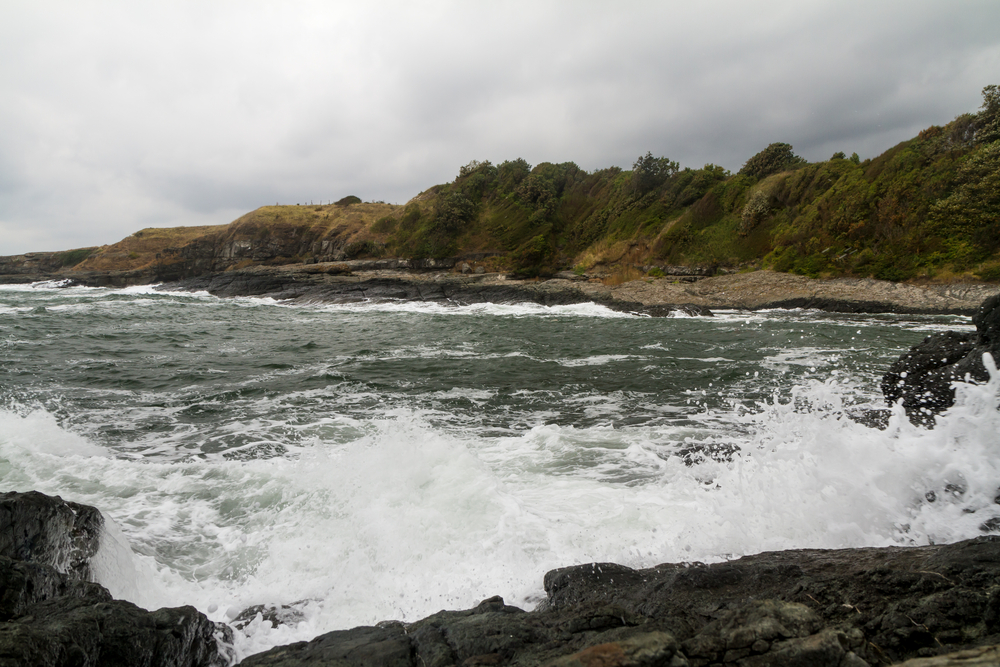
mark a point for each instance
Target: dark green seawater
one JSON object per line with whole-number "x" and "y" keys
{"x": 387, "y": 460}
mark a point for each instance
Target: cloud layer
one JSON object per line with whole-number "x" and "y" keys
{"x": 119, "y": 116}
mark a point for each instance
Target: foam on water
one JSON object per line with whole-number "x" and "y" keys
{"x": 404, "y": 519}
{"x": 495, "y": 309}
{"x": 373, "y": 461}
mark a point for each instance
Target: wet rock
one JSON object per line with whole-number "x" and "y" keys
{"x": 74, "y": 631}
{"x": 888, "y": 604}
{"x": 922, "y": 377}
{"x": 274, "y": 614}
{"x": 23, "y": 584}
{"x": 651, "y": 649}
{"x": 50, "y": 616}
{"x": 316, "y": 284}
{"x": 367, "y": 646}
{"x": 48, "y": 530}
{"x": 752, "y": 629}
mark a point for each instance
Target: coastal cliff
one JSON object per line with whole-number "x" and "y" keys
{"x": 925, "y": 211}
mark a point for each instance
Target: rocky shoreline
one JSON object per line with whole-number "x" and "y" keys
{"x": 928, "y": 605}
{"x": 686, "y": 290}
{"x": 344, "y": 282}
{"x": 936, "y": 605}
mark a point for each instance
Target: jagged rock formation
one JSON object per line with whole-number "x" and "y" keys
{"x": 845, "y": 608}
{"x": 922, "y": 378}
{"x": 51, "y": 615}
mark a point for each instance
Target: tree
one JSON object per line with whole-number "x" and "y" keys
{"x": 776, "y": 157}
{"x": 511, "y": 173}
{"x": 969, "y": 218}
{"x": 650, "y": 172}
{"x": 455, "y": 212}
{"x": 988, "y": 118}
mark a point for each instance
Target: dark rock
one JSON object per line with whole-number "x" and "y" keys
{"x": 982, "y": 656}
{"x": 315, "y": 284}
{"x": 364, "y": 646}
{"x": 74, "y": 631}
{"x": 275, "y": 614}
{"x": 922, "y": 378}
{"x": 50, "y": 616}
{"x": 23, "y": 584}
{"x": 651, "y": 649}
{"x": 48, "y": 530}
{"x": 843, "y": 608}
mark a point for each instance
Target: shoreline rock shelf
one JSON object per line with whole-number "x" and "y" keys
{"x": 847, "y": 608}
{"x": 758, "y": 290}
{"x": 360, "y": 280}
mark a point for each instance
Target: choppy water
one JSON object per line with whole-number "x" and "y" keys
{"x": 379, "y": 461}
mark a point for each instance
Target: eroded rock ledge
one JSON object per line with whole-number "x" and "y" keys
{"x": 937, "y": 605}
{"x": 843, "y": 608}
{"x": 345, "y": 282}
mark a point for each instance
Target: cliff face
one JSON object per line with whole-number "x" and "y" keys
{"x": 269, "y": 235}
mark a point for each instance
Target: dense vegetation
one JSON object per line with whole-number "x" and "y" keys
{"x": 928, "y": 208}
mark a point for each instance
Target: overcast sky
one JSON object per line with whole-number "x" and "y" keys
{"x": 115, "y": 116}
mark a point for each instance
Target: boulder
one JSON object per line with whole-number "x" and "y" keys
{"x": 52, "y": 615}
{"x": 48, "y": 530}
{"x": 922, "y": 377}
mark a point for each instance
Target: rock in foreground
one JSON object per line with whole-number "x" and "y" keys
{"x": 50, "y": 615}
{"x": 843, "y": 608}
{"x": 922, "y": 378}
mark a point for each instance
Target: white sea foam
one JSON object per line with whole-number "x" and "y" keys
{"x": 495, "y": 309}
{"x": 404, "y": 519}
{"x": 397, "y": 509}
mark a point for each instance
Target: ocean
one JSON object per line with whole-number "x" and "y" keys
{"x": 374, "y": 461}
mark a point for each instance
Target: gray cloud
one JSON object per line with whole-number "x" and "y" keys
{"x": 118, "y": 116}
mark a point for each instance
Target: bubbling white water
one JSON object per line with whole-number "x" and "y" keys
{"x": 405, "y": 518}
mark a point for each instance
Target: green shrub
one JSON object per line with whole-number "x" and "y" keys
{"x": 74, "y": 257}
{"x": 990, "y": 274}
{"x": 455, "y": 212}
{"x": 348, "y": 200}
{"x": 776, "y": 157}
{"x": 757, "y": 207}
{"x": 384, "y": 225}
{"x": 357, "y": 249}
{"x": 650, "y": 172}
{"x": 510, "y": 173}
{"x": 812, "y": 265}
{"x": 655, "y": 272}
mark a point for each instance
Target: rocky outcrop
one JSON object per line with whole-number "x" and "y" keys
{"x": 330, "y": 283}
{"x": 52, "y": 615}
{"x": 922, "y": 377}
{"x": 843, "y": 608}
{"x": 758, "y": 290}
{"x": 375, "y": 279}
{"x": 37, "y": 528}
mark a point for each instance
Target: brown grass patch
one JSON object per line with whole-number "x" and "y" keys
{"x": 623, "y": 274}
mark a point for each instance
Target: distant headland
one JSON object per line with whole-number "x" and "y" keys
{"x": 925, "y": 212}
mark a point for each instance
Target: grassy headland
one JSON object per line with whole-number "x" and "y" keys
{"x": 926, "y": 209}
